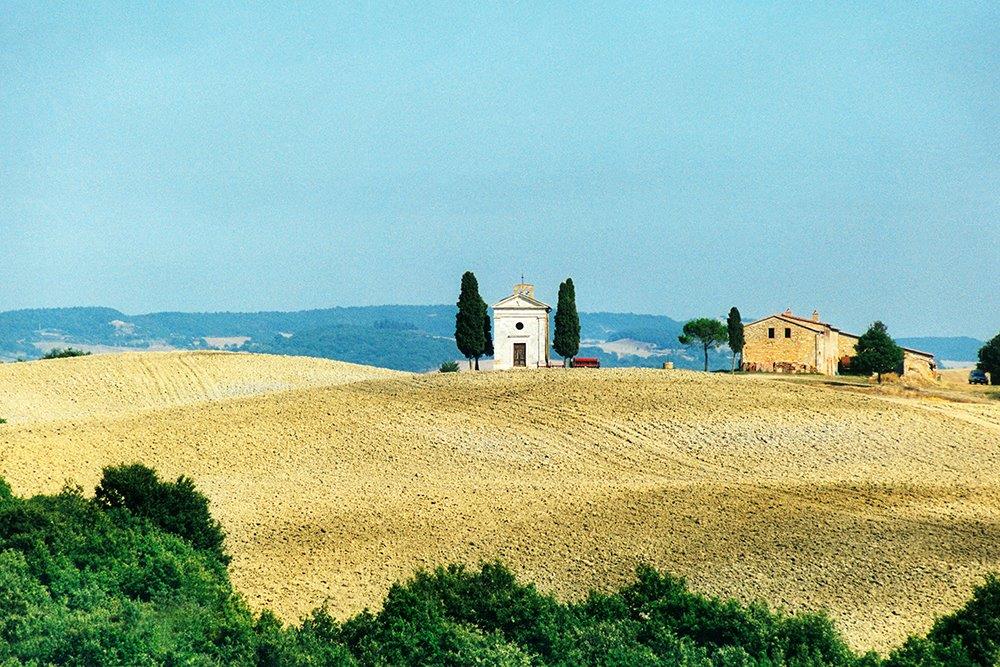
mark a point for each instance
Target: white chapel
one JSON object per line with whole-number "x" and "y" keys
{"x": 520, "y": 330}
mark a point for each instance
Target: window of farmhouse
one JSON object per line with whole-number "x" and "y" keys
{"x": 770, "y": 332}
{"x": 788, "y": 332}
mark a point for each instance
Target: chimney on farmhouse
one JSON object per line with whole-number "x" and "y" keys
{"x": 526, "y": 289}
{"x": 815, "y": 316}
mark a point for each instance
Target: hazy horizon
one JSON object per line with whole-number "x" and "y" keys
{"x": 672, "y": 160}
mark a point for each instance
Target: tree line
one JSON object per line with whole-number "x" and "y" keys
{"x": 876, "y": 353}
{"x": 137, "y": 575}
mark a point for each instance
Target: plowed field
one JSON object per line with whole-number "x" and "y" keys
{"x": 111, "y": 385}
{"x": 884, "y": 510}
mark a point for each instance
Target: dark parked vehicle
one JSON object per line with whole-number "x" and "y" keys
{"x": 977, "y": 377}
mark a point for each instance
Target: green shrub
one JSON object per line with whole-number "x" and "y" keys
{"x": 488, "y": 599}
{"x": 110, "y": 581}
{"x": 655, "y": 621}
{"x": 81, "y": 585}
{"x": 924, "y": 652}
{"x": 176, "y": 507}
{"x": 60, "y": 353}
{"x": 449, "y": 367}
{"x": 975, "y": 627}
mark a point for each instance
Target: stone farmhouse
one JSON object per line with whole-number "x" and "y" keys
{"x": 786, "y": 343}
{"x": 521, "y": 330}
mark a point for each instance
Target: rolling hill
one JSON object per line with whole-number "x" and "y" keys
{"x": 115, "y": 385}
{"x": 883, "y": 509}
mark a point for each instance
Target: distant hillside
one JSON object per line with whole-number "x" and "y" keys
{"x": 21, "y": 329}
{"x": 954, "y": 348}
{"x": 402, "y": 337}
{"x": 412, "y": 338}
{"x": 388, "y": 345}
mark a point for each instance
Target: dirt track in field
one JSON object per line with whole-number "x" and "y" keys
{"x": 883, "y": 510}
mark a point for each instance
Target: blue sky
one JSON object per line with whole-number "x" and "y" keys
{"x": 673, "y": 158}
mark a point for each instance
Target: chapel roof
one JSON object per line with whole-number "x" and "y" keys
{"x": 522, "y": 297}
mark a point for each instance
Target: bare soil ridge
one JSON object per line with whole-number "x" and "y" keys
{"x": 885, "y": 510}
{"x": 113, "y": 385}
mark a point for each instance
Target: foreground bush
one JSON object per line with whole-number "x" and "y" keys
{"x": 80, "y": 585}
{"x": 110, "y": 581}
{"x": 176, "y": 507}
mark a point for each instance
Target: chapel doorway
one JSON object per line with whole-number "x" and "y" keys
{"x": 520, "y": 354}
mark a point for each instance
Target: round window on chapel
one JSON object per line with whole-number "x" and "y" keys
{"x": 519, "y": 326}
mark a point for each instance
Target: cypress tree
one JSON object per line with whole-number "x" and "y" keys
{"x": 469, "y": 320}
{"x": 734, "y": 324}
{"x": 566, "y": 339}
{"x": 487, "y": 332}
{"x": 876, "y": 352}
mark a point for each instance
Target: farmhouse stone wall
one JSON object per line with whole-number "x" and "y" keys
{"x": 918, "y": 365}
{"x": 805, "y": 351}
{"x": 813, "y": 347}
{"x": 914, "y": 364}
{"x": 847, "y": 346}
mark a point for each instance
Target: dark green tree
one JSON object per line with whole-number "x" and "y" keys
{"x": 734, "y": 325}
{"x": 469, "y": 320}
{"x": 989, "y": 359}
{"x": 876, "y": 352}
{"x": 566, "y": 339}
{"x": 706, "y": 332}
{"x": 487, "y": 332}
